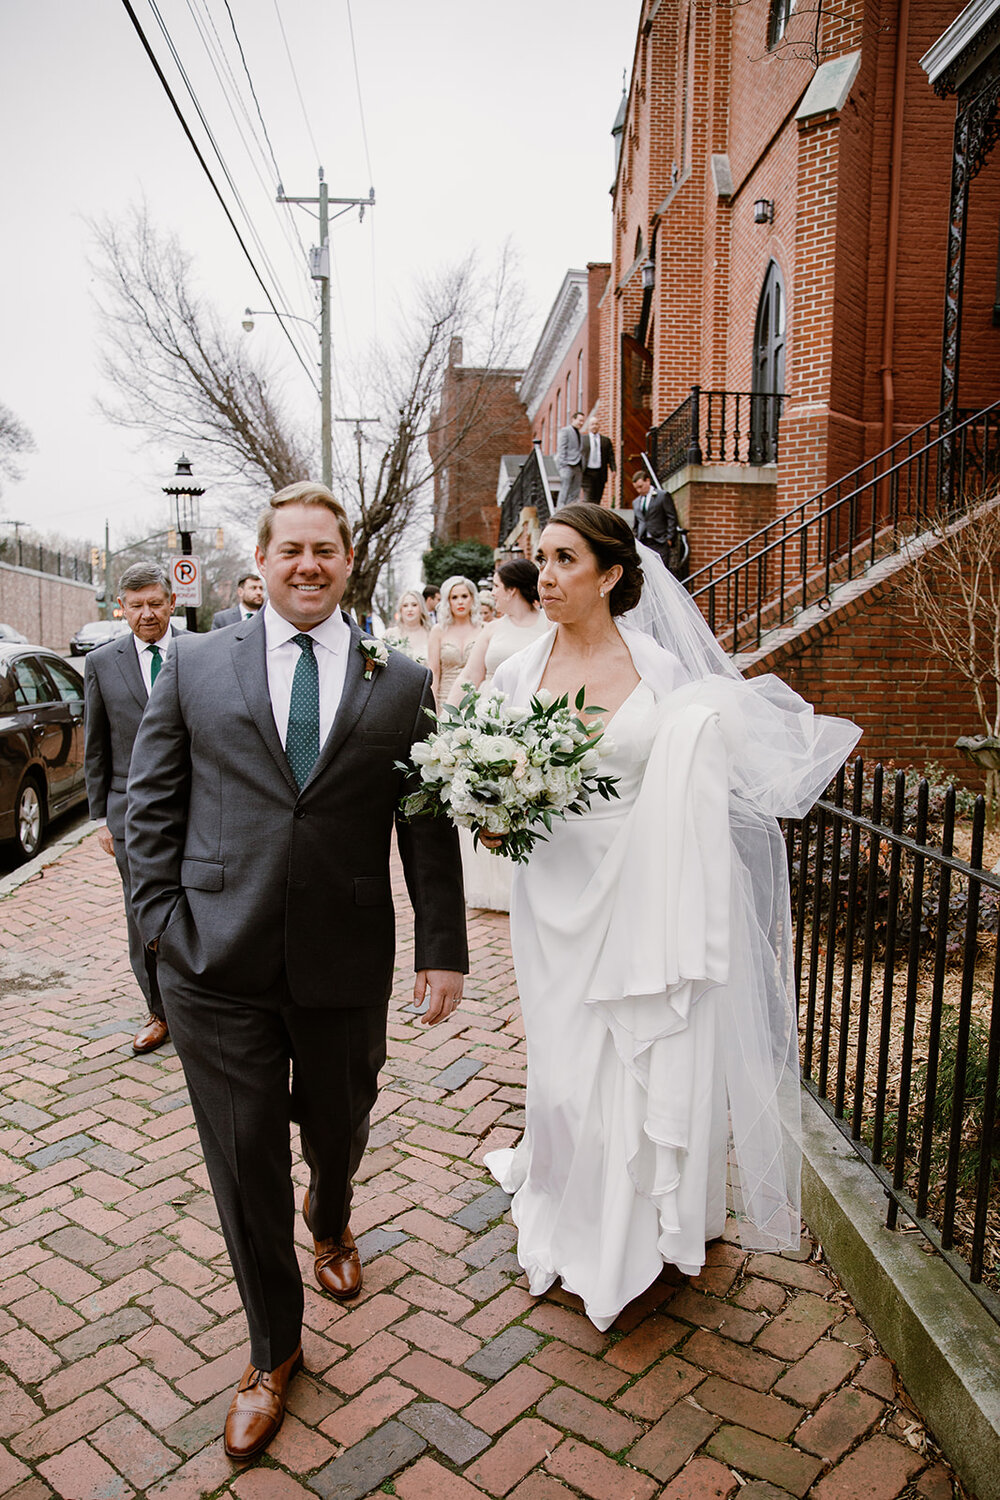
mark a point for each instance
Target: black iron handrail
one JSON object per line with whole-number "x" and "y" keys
{"x": 529, "y": 487}
{"x": 908, "y": 1075}
{"x": 796, "y": 560}
{"x": 717, "y": 427}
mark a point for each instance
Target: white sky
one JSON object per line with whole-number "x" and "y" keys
{"x": 484, "y": 121}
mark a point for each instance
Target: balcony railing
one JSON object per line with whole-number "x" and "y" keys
{"x": 897, "y": 974}
{"x": 717, "y": 427}
{"x": 797, "y": 559}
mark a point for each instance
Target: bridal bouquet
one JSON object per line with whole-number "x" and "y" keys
{"x": 509, "y": 771}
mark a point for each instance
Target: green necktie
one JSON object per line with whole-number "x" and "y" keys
{"x": 302, "y": 736}
{"x": 154, "y": 652}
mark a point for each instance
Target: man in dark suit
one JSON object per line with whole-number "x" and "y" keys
{"x": 598, "y": 461}
{"x": 118, "y": 679}
{"x": 250, "y": 594}
{"x": 261, "y": 807}
{"x": 655, "y": 516}
{"x": 569, "y": 459}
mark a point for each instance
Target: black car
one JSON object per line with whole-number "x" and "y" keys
{"x": 95, "y": 633}
{"x": 41, "y": 742}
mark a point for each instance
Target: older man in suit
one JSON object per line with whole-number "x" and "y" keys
{"x": 118, "y": 679}
{"x": 250, "y": 598}
{"x": 261, "y": 807}
{"x": 569, "y": 459}
{"x": 598, "y": 461}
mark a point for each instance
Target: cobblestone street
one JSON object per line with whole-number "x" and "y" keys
{"x": 121, "y": 1334}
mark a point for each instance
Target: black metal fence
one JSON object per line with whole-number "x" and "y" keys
{"x": 897, "y": 974}
{"x": 21, "y": 553}
{"x": 797, "y": 559}
{"x": 530, "y": 487}
{"x": 717, "y": 427}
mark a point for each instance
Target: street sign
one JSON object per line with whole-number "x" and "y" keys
{"x": 185, "y": 574}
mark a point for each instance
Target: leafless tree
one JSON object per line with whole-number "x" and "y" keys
{"x": 388, "y": 482}
{"x": 14, "y": 439}
{"x": 175, "y": 372}
{"x": 955, "y": 597}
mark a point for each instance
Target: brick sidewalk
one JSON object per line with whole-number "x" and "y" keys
{"x": 121, "y": 1335}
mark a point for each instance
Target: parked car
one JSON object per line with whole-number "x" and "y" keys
{"x": 41, "y": 742}
{"x": 8, "y": 633}
{"x": 95, "y": 633}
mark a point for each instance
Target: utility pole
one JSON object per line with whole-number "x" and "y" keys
{"x": 108, "y": 607}
{"x": 320, "y": 271}
{"x": 357, "y": 432}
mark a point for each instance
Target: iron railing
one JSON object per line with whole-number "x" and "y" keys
{"x": 530, "y": 487}
{"x": 897, "y": 975}
{"x": 41, "y": 559}
{"x": 796, "y": 560}
{"x": 717, "y": 427}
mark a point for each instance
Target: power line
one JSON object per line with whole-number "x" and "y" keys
{"x": 357, "y": 85}
{"x": 295, "y": 80}
{"x": 207, "y": 170}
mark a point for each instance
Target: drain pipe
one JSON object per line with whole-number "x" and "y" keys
{"x": 892, "y": 250}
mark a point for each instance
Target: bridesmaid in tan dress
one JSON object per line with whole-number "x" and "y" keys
{"x": 453, "y": 637}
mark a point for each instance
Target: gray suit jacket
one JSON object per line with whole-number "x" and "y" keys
{"x": 223, "y": 617}
{"x": 114, "y": 703}
{"x": 241, "y": 878}
{"x": 569, "y": 447}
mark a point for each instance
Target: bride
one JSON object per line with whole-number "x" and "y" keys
{"x": 651, "y": 936}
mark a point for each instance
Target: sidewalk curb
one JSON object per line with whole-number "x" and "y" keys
{"x": 941, "y": 1339}
{"x": 48, "y": 856}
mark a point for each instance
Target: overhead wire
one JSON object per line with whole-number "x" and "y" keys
{"x": 251, "y": 226}
{"x": 368, "y": 162}
{"x": 164, "y": 82}
{"x": 295, "y": 80}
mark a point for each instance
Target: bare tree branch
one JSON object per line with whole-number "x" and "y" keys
{"x": 175, "y": 373}
{"x": 14, "y": 438}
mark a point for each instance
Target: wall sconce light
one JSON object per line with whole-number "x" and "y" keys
{"x": 763, "y": 211}
{"x": 648, "y": 275}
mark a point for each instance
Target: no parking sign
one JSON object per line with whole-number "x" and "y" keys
{"x": 185, "y": 574}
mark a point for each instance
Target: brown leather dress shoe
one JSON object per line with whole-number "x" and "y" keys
{"x": 152, "y": 1035}
{"x": 337, "y": 1263}
{"x": 258, "y": 1408}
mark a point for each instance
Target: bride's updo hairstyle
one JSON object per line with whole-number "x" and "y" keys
{"x": 610, "y": 539}
{"x": 518, "y": 573}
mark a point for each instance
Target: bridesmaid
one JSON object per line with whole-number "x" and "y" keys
{"x": 519, "y": 621}
{"x": 453, "y": 637}
{"x": 414, "y": 625}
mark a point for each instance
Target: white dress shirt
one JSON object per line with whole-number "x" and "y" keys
{"x": 594, "y": 461}
{"x": 331, "y": 642}
{"x": 146, "y": 656}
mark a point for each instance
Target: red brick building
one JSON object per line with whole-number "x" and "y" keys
{"x": 478, "y": 420}
{"x": 781, "y": 227}
{"x": 564, "y": 373}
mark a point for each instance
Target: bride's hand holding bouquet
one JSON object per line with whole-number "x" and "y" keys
{"x": 507, "y": 772}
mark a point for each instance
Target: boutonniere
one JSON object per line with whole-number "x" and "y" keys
{"x": 375, "y": 653}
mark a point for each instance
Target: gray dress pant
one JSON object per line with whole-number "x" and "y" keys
{"x": 143, "y": 962}
{"x": 254, "y": 1064}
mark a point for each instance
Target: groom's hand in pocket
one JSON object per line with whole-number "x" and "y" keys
{"x": 442, "y": 989}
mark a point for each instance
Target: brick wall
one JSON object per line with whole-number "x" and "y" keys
{"x": 868, "y": 660}
{"x": 47, "y": 610}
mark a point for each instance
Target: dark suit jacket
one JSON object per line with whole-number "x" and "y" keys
{"x": 114, "y": 703}
{"x": 607, "y": 458}
{"x": 239, "y": 876}
{"x": 223, "y": 617}
{"x": 656, "y": 521}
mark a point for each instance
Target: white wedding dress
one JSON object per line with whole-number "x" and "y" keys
{"x": 650, "y": 940}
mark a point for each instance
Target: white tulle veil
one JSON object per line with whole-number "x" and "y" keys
{"x": 779, "y": 757}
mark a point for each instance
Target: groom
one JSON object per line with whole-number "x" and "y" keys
{"x": 261, "y": 807}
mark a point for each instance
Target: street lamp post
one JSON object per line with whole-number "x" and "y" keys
{"x": 186, "y": 495}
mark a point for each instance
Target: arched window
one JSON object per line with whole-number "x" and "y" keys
{"x": 777, "y": 21}
{"x": 768, "y": 382}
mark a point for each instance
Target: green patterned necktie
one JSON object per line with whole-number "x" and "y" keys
{"x": 154, "y": 652}
{"x": 302, "y": 736}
